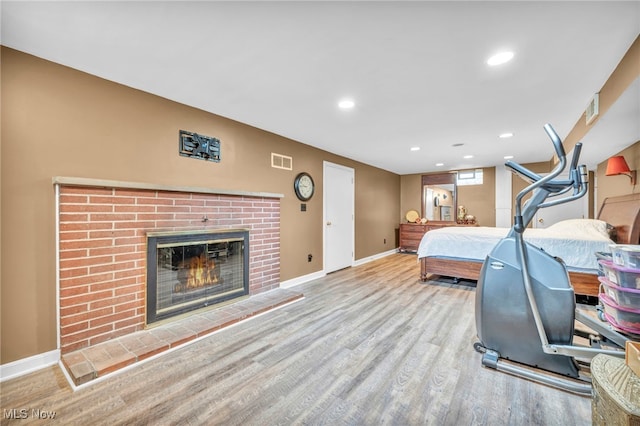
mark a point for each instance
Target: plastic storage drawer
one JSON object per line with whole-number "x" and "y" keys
{"x": 627, "y": 255}
{"x": 625, "y": 319}
{"x": 620, "y": 275}
{"x": 623, "y": 297}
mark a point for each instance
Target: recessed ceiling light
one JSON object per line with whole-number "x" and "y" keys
{"x": 508, "y": 157}
{"x": 466, "y": 157}
{"x": 346, "y": 104}
{"x": 506, "y": 135}
{"x": 415, "y": 148}
{"x": 439, "y": 164}
{"x": 500, "y": 58}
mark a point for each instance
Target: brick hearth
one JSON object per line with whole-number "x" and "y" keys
{"x": 88, "y": 364}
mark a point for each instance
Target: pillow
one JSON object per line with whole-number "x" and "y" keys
{"x": 584, "y": 226}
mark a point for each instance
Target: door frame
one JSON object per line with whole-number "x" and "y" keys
{"x": 325, "y": 189}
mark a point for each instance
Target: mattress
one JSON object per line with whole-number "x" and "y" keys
{"x": 574, "y": 241}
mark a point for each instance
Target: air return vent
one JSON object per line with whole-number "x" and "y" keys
{"x": 280, "y": 161}
{"x": 593, "y": 108}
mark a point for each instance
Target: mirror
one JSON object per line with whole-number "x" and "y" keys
{"x": 439, "y": 201}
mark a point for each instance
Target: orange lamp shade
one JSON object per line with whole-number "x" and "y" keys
{"x": 617, "y": 165}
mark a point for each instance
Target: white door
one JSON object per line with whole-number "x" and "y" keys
{"x": 339, "y": 201}
{"x": 572, "y": 210}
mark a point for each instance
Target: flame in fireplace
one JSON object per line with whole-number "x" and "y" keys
{"x": 200, "y": 272}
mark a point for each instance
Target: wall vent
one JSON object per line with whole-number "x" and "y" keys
{"x": 593, "y": 108}
{"x": 279, "y": 161}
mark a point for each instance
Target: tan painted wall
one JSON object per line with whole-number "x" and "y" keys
{"x": 60, "y": 122}
{"x": 410, "y": 195}
{"x": 611, "y": 186}
{"x": 480, "y": 200}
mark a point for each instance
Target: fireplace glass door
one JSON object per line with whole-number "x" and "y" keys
{"x": 193, "y": 271}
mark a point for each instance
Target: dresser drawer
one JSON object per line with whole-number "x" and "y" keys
{"x": 411, "y": 235}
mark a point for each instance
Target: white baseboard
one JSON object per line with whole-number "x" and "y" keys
{"x": 309, "y": 277}
{"x": 374, "y": 257}
{"x": 28, "y": 365}
{"x": 301, "y": 280}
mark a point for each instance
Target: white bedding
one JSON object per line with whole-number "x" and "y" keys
{"x": 575, "y": 241}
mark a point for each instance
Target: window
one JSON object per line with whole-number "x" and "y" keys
{"x": 470, "y": 177}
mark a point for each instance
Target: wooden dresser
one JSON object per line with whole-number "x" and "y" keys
{"x": 411, "y": 233}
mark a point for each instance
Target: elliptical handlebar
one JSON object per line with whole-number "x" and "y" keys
{"x": 576, "y": 156}
{"x": 578, "y": 181}
{"x": 532, "y": 177}
{"x": 549, "y": 186}
{"x": 557, "y": 143}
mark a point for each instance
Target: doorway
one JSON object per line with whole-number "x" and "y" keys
{"x": 338, "y": 216}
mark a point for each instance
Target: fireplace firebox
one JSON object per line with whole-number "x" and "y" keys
{"x": 195, "y": 269}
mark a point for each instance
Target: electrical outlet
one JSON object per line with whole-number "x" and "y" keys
{"x": 385, "y": 241}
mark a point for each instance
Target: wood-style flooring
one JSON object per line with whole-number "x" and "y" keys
{"x": 369, "y": 345}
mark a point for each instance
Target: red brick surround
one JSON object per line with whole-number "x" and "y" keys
{"x": 103, "y": 251}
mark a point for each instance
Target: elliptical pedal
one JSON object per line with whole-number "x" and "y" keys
{"x": 580, "y": 386}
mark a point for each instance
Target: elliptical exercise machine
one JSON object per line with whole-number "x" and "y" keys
{"x": 525, "y": 304}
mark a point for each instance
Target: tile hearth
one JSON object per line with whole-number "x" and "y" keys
{"x": 90, "y": 363}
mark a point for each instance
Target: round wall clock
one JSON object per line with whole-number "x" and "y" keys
{"x": 304, "y": 186}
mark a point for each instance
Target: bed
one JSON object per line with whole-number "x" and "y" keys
{"x": 618, "y": 221}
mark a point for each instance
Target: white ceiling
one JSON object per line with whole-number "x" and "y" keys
{"x": 416, "y": 70}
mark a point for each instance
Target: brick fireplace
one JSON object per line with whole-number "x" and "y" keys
{"x": 103, "y": 232}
